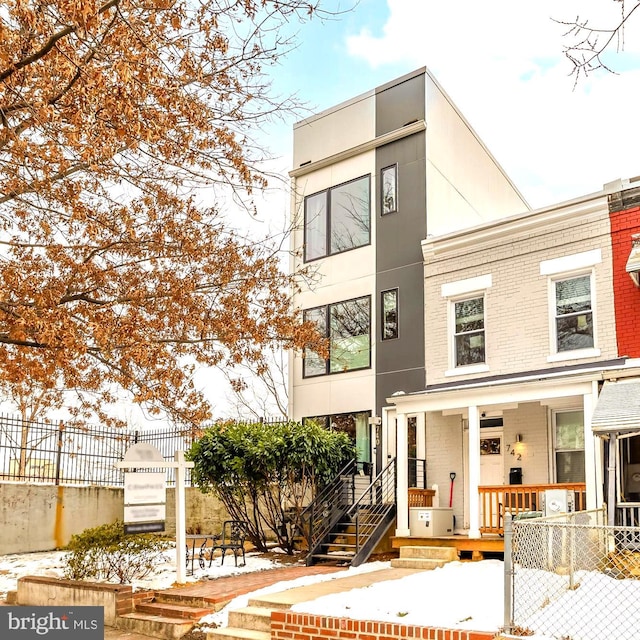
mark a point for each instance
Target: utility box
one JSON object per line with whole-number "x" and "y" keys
{"x": 430, "y": 522}
{"x": 557, "y": 501}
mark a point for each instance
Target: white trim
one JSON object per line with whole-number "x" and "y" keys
{"x": 578, "y": 354}
{"x": 467, "y": 369}
{"x": 469, "y": 285}
{"x": 571, "y": 263}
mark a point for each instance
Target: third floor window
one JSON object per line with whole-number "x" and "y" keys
{"x": 337, "y": 219}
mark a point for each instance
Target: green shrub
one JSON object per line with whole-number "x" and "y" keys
{"x": 107, "y": 553}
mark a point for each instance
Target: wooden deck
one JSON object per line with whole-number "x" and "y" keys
{"x": 468, "y": 548}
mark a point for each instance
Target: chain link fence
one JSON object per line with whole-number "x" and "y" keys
{"x": 571, "y": 577}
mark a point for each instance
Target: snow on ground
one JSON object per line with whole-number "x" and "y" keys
{"x": 460, "y": 595}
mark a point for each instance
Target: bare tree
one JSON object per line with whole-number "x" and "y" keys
{"x": 588, "y": 44}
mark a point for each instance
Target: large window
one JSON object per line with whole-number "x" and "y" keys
{"x": 573, "y": 314}
{"x": 338, "y": 219}
{"x": 389, "y": 306}
{"x": 347, "y": 325}
{"x": 469, "y": 331}
{"x": 356, "y": 425}
{"x": 569, "y": 446}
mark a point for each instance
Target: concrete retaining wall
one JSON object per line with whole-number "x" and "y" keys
{"x": 44, "y": 517}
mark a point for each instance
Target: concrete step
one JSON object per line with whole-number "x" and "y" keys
{"x": 233, "y": 633}
{"x": 417, "y": 563}
{"x": 170, "y": 610}
{"x": 155, "y": 626}
{"x": 433, "y": 553}
{"x": 254, "y": 618}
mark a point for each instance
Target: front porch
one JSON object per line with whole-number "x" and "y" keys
{"x": 467, "y": 548}
{"x": 521, "y": 499}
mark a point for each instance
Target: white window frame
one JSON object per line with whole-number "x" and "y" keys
{"x": 566, "y": 268}
{"x": 553, "y": 439}
{"x": 456, "y": 292}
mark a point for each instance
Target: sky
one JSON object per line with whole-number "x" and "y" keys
{"x": 460, "y": 595}
{"x": 502, "y": 63}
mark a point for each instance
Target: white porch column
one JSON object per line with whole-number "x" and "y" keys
{"x": 592, "y": 467}
{"x": 474, "y": 472}
{"x": 402, "y": 481}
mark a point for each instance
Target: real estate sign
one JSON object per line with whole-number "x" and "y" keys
{"x": 145, "y": 493}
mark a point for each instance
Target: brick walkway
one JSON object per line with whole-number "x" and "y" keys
{"x": 222, "y": 590}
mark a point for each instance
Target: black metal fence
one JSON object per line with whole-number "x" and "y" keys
{"x": 45, "y": 452}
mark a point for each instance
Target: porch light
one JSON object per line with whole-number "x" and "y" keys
{"x": 633, "y": 263}
{"x": 518, "y": 437}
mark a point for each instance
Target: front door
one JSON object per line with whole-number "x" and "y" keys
{"x": 491, "y": 457}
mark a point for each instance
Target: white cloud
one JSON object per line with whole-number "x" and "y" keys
{"x": 502, "y": 63}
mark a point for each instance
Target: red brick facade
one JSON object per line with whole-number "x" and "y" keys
{"x": 626, "y": 295}
{"x": 286, "y": 625}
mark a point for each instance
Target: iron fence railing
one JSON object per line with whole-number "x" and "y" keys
{"x": 571, "y": 576}
{"x": 46, "y": 452}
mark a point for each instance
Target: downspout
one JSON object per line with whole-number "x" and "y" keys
{"x": 611, "y": 489}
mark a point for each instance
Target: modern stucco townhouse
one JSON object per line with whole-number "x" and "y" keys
{"x": 531, "y": 353}
{"x": 372, "y": 178}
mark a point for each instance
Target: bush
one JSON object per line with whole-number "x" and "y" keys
{"x": 265, "y": 474}
{"x": 107, "y": 553}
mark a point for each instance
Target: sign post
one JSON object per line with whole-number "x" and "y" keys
{"x": 145, "y": 496}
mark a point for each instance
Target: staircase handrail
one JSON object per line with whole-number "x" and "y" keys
{"x": 371, "y": 493}
{"x": 347, "y": 470}
{"x": 330, "y": 494}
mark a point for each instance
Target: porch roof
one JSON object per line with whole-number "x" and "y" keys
{"x": 618, "y": 407}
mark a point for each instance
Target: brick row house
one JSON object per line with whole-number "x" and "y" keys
{"x": 470, "y": 337}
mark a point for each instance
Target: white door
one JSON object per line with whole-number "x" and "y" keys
{"x": 491, "y": 457}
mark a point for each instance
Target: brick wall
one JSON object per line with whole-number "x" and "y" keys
{"x": 286, "y": 625}
{"x": 626, "y": 295}
{"x": 517, "y": 315}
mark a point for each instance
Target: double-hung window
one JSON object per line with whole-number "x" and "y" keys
{"x": 469, "y": 331}
{"x": 347, "y": 325}
{"x": 572, "y": 327}
{"x": 569, "y": 446}
{"x": 573, "y": 313}
{"x": 337, "y": 219}
{"x": 467, "y": 324}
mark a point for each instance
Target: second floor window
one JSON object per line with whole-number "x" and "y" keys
{"x": 338, "y": 219}
{"x": 389, "y": 314}
{"x": 347, "y": 325}
{"x": 469, "y": 331}
{"x": 573, "y": 314}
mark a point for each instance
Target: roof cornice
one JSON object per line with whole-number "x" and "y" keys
{"x": 524, "y": 223}
{"x": 397, "y": 134}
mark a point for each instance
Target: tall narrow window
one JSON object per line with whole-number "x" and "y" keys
{"x": 347, "y": 325}
{"x": 573, "y": 314}
{"x": 569, "y": 446}
{"x": 389, "y": 190}
{"x": 469, "y": 331}
{"x": 389, "y": 314}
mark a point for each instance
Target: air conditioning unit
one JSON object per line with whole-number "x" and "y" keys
{"x": 557, "y": 501}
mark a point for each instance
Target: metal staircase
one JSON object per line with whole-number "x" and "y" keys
{"x": 343, "y": 525}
